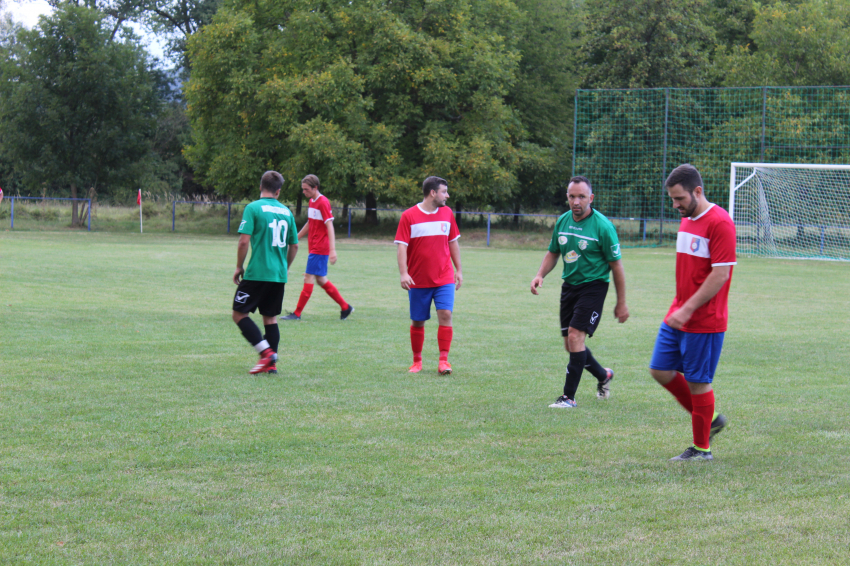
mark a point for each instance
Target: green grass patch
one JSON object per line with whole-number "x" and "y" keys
{"x": 133, "y": 434}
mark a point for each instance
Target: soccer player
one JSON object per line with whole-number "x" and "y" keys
{"x": 268, "y": 227}
{"x": 689, "y": 341}
{"x": 588, "y": 244}
{"x": 321, "y": 238}
{"x": 427, "y": 246}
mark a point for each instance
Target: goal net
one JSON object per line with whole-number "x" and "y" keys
{"x": 791, "y": 211}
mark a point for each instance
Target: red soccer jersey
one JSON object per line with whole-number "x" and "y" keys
{"x": 319, "y": 212}
{"x": 702, "y": 243}
{"x": 427, "y": 236}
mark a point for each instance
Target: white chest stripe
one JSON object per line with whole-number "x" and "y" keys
{"x": 692, "y": 245}
{"x": 429, "y": 229}
{"x": 314, "y": 213}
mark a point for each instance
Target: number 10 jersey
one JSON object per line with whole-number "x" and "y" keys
{"x": 272, "y": 229}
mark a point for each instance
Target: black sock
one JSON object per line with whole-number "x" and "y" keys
{"x": 574, "y": 369}
{"x": 272, "y": 335}
{"x": 250, "y": 331}
{"x": 594, "y": 367}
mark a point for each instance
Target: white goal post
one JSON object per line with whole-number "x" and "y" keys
{"x": 787, "y": 210}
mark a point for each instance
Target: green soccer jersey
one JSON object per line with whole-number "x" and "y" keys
{"x": 272, "y": 229}
{"x": 586, "y": 247}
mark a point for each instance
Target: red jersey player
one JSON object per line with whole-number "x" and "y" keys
{"x": 322, "y": 248}
{"x": 689, "y": 341}
{"x": 427, "y": 246}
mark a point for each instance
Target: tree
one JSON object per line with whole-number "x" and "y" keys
{"x": 646, "y": 44}
{"x": 793, "y": 45}
{"x": 372, "y": 96}
{"x": 77, "y": 108}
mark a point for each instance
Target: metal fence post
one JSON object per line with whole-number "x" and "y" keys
{"x": 349, "y": 222}
{"x": 228, "y": 218}
{"x": 763, "y": 114}
{"x": 575, "y": 129}
{"x": 488, "y": 229}
{"x": 173, "y": 209}
{"x": 89, "y": 215}
{"x": 664, "y": 167}
{"x": 822, "y": 237}
{"x": 13, "y": 212}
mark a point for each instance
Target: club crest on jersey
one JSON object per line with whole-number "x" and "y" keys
{"x": 571, "y": 257}
{"x": 582, "y": 244}
{"x": 444, "y": 226}
{"x": 562, "y": 240}
{"x": 694, "y": 244}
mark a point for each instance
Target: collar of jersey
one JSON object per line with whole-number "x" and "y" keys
{"x": 317, "y": 197}
{"x": 419, "y": 204}
{"x": 710, "y": 206}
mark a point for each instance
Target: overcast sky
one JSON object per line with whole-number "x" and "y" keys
{"x": 27, "y": 12}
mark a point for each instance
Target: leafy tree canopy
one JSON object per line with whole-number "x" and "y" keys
{"x": 372, "y": 96}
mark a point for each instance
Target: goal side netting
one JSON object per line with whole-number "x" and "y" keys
{"x": 791, "y": 211}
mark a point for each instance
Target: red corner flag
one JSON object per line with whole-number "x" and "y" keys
{"x": 139, "y": 198}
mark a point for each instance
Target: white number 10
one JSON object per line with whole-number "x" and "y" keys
{"x": 279, "y": 228}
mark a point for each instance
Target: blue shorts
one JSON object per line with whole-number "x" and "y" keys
{"x": 317, "y": 265}
{"x": 420, "y": 300}
{"x": 692, "y": 353}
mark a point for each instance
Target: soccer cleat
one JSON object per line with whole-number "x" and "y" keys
{"x": 416, "y": 367}
{"x": 718, "y": 424}
{"x": 343, "y": 314}
{"x": 603, "y": 389}
{"x": 445, "y": 368}
{"x": 563, "y": 402}
{"x": 267, "y": 359}
{"x": 693, "y": 454}
{"x": 291, "y": 316}
{"x": 272, "y": 369}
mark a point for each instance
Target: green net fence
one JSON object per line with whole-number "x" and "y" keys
{"x": 628, "y": 141}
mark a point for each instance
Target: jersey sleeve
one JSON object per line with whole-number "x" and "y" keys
{"x": 610, "y": 243}
{"x": 325, "y": 208}
{"x": 292, "y": 235}
{"x": 454, "y": 232}
{"x": 721, "y": 244}
{"x": 247, "y": 224}
{"x": 554, "y": 248}
{"x": 402, "y": 234}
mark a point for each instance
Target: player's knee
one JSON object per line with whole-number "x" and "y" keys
{"x": 237, "y": 316}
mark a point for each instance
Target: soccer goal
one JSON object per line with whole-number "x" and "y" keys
{"x": 791, "y": 211}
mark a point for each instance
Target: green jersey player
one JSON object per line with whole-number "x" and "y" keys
{"x": 268, "y": 228}
{"x": 588, "y": 244}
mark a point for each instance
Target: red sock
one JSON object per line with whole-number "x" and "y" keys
{"x": 444, "y": 341}
{"x": 417, "y": 339}
{"x": 680, "y": 390}
{"x": 302, "y": 300}
{"x": 701, "y": 418}
{"x": 334, "y": 294}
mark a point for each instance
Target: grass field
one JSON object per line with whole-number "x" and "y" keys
{"x": 133, "y": 434}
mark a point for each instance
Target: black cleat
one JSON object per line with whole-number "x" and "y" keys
{"x": 718, "y": 424}
{"x": 344, "y": 313}
{"x": 693, "y": 454}
{"x": 291, "y": 316}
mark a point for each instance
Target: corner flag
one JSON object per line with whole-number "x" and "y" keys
{"x": 139, "y": 202}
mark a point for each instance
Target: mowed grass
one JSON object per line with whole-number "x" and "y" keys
{"x": 133, "y": 434}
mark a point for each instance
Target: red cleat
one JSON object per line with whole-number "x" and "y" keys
{"x": 445, "y": 368}
{"x": 416, "y": 367}
{"x": 272, "y": 369}
{"x": 267, "y": 359}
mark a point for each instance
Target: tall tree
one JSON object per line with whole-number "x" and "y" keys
{"x": 646, "y": 43}
{"x": 77, "y": 107}
{"x": 372, "y": 96}
{"x": 793, "y": 45}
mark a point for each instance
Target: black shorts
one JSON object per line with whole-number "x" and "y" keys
{"x": 265, "y": 295}
{"x": 581, "y": 306}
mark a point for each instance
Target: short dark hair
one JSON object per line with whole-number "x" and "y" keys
{"x": 271, "y": 182}
{"x": 311, "y": 180}
{"x": 432, "y": 184}
{"x": 685, "y": 175}
{"x": 581, "y": 179}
